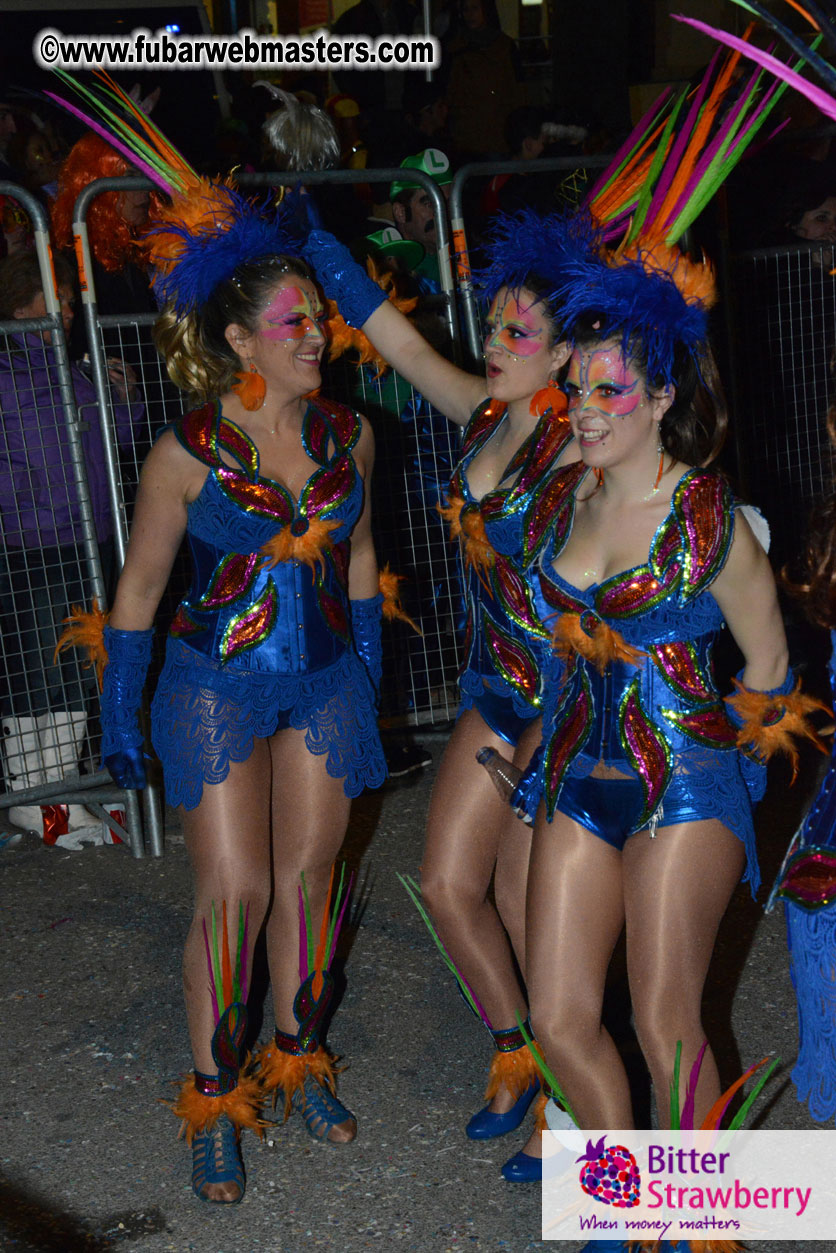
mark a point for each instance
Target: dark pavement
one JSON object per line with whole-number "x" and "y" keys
{"x": 93, "y": 1036}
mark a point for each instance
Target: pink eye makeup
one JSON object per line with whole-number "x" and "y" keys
{"x": 513, "y": 328}
{"x": 602, "y": 380}
{"x": 291, "y": 315}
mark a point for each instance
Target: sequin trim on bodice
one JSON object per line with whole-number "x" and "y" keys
{"x": 269, "y": 589}
{"x": 500, "y": 538}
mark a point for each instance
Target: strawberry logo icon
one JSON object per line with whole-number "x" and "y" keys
{"x": 610, "y": 1175}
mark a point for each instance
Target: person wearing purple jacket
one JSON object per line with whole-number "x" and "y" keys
{"x": 44, "y": 704}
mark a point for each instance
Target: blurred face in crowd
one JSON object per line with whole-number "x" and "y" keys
{"x": 133, "y": 206}
{"x": 520, "y": 353}
{"x": 416, "y": 219}
{"x": 818, "y": 223}
{"x": 36, "y": 308}
{"x": 473, "y": 14}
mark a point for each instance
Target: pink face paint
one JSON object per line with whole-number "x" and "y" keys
{"x": 291, "y": 315}
{"x": 601, "y": 379}
{"x": 516, "y": 328}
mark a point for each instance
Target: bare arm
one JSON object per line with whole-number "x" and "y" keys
{"x": 452, "y": 391}
{"x": 168, "y": 481}
{"x": 362, "y": 570}
{"x": 745, "y": 592}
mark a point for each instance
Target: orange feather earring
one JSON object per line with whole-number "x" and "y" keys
{"x": 250, "y": 388}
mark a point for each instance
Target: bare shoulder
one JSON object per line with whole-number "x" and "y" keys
{"x": 171, "y": 468}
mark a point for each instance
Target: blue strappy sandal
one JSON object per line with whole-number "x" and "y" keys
{"x": 321, "y": 1110}
{"x": 216, "y": 1158}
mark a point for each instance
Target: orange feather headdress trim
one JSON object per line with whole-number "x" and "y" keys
{"x": 85, "y": 629}
{"x": 590, "y": 637}
{"x": 309, "y": 548}
{"x": 392, "y": 608}
{"x": 770, "y": 724}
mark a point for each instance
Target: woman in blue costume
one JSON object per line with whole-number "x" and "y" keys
{"x": 264, "y": 717}
{"x": 515, "y": 435}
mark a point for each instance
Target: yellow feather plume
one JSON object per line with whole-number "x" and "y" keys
{"x": 85, "y": 629}
{"x": 771, "y": 724}
{"x": 392, "y": 608}
{"x": 600, "y": 647}
{"x": 308, "y": 548}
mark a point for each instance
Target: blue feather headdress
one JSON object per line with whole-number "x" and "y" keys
{"x": 209, "y": 229}
{"x": 526, "y": 244}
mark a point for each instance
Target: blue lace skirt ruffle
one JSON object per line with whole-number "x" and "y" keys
{"x": 504, "y": 710}
{"x": 204, "y": 717}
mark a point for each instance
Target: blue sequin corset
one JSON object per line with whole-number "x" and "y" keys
{"x": 284, "y": 616}
{"x": 631, "y": 684}
{"x": 263, "y": 640}
{"x": 500, "y": 537}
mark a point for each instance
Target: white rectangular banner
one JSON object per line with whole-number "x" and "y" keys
{"x": 698, "y": 1185}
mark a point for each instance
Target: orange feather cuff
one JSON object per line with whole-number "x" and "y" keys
{"x": 281, "y": 1073}
{"x": 392, "y": 608}
{"x": 770, "y": 723}
{"x": 516, "y": 1071}
{"x": 85, "y": 629}
{"x": 242, "y": 1107}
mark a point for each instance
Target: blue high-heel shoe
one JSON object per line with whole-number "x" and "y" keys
{"x": 487, "y": 1126}
{"x": 216, "y": 1158}
{"x": 321, "y": 1110}
{"x": 523, "y": 1168}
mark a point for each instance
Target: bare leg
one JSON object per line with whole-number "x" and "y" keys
{"x": 574, "y": 918}
{"x": 310, "y": 816}
{"x": 228, "y": 842}
{"x": 465, "y": 822}
{"x": 511, "y": 877}
{"x": 676, "y": 890}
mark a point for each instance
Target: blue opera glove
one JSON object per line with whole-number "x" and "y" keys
{"x": 129, "y": 654}
{"x": 365, "y": 625}
{"x": 342, "y": 279}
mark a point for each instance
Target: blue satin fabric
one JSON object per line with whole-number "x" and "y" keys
{"x": 302, "y": 672}
{"x": 608, "y": 807}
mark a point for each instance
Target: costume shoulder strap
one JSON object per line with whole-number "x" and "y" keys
{"x": 703, "y": 508}
{"x": 328, "y": 421}
{"x": 204, "y": 433}
{"x": 484, "y": 419}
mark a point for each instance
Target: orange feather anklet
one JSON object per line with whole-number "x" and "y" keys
{"x": 282, "y": 1072}
{"x": 242, "y": 1106}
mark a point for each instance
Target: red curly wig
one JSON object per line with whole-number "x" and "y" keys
{"x": 113, "y": 241}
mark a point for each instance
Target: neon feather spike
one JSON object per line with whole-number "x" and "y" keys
{"x": 315, "y": 957}
{"x": 227, "y": 982}
{"x": 684, "y": 1120}
{"x": 414, "y": 892}
{"x": 209, "y": 229}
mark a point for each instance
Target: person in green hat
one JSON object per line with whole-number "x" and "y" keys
{"x": 413, "y": 210}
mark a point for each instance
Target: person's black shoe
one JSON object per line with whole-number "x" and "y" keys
{"x": 403, "y": 759}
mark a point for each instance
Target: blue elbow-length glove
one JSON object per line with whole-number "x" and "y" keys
{"x": 342, "y": 279}
{"x": 129, "y": 654}
{"x": 365, "y": 625}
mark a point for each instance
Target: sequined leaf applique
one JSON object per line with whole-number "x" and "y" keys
{"x": 232, "y": 578}
{"x": 707, "y": 726}
{"x": 553, "y": 505}
{"x": 332, "y": 610}
{"x": 265, "y": 499}
{"x": 702, "y": 503}
{"x": 248, "y": 629}
{"x": 184, "y": 624}
{"x": 514, "y": 595}
{"x": 570, "y": 731}
{"x": 679, "y": 665}
{"x": 648, "y": 752}
{"x": 328, "y": 489}
{"x": 513, "y": 661}
{"x": 809, "y": 878}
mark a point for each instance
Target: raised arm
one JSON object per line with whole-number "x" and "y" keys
{"x": 452, "y": 391}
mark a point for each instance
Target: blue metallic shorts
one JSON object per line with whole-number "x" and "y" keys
{"x": 608, "y": 807}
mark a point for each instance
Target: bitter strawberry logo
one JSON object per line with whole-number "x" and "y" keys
{"x": 610, "y": 1175}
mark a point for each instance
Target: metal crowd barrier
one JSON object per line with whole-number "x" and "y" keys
{"x": 416, "y": 449}
{"x": 51, "y": 740}
{"x": 782, "y": 316}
